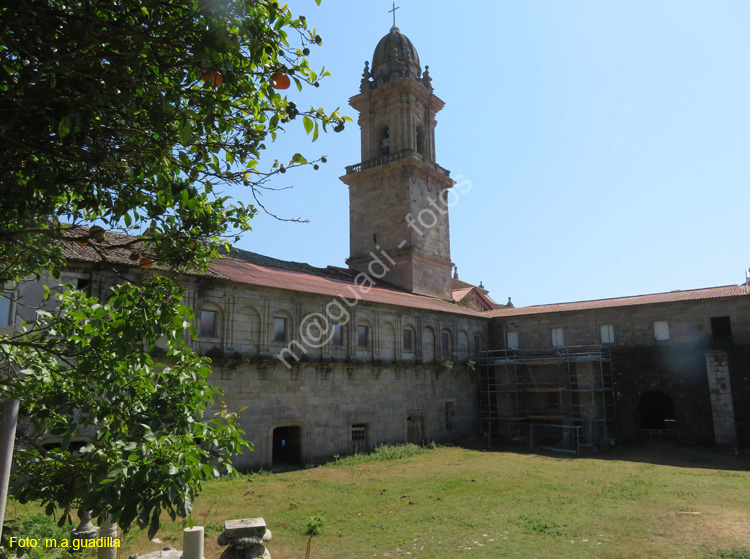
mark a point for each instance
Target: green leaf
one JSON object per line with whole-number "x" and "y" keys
{"x": 186, "y": 134}
{"x": 154, "y": 526}
{"x": 63, "y": 128}
{"x": 308, "y": 122}
{"x": 299, "y": 158}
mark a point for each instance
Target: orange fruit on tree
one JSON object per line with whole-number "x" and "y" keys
{"x": 279, "y": 80}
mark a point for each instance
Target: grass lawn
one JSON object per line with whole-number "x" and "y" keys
{"x": 638, "y": 502}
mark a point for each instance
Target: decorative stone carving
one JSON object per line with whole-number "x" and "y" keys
{"x": 426, "y": 79}
{"x": 246, "y": 539}
{"x": 365, "y": 84}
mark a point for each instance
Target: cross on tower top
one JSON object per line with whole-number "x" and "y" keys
{"x": 393, "y": 11}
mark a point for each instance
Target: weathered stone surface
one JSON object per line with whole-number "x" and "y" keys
{"x": 244, "y": 527}
{"x": 246, "y": 542}
{"x": 234, "y": 553}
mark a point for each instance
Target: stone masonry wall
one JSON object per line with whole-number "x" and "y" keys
{"x": 326, "y": 401}
{"x": 333, "y": 387}
{"x": 641, "y": 363}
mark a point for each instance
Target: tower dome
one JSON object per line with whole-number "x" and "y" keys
{"x": 395, "y": 57}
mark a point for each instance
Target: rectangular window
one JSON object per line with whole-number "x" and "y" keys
{"x": 661, "y": 330}
{"x": 363, "y": 341}
{"x": 558, "y": 337}
{"x": 512, "y": 338}
{"x": 5, "y": 318}
{"x": 338, "y": 335}
{"x": 408, "y": 342}
{"x": 279, "y": 330}
{"x": 607, "y": 333}
{"x": 721, "y": 328}
{"x": 208, "y": 324}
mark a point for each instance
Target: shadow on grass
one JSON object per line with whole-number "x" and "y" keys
{"x": 663, "y": 453}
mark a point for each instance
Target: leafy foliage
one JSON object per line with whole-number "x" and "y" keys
{"x": 112, "y": 113}
{"x": 147, "y": 449}
{"x": 131, "y": 117}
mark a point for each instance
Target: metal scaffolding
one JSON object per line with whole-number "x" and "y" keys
{"x": 560, "y": 399}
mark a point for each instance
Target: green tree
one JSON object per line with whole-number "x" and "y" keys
{"x": 131, "y": 116}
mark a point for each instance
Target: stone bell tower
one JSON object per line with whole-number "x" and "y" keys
{"x": 398, "y": 195}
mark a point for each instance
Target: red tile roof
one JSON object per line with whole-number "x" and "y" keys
{"x": 239, "y": 271}
{"x": 254, "y": 269}
{"x": 670, "y": 297}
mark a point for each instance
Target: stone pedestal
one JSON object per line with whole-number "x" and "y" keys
{"x": 86, "y": 529}
{"x": 107, "y": 530}
{"x": 246, "y": 539}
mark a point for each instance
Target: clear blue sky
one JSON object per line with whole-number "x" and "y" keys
{"x": 608, "y": 143}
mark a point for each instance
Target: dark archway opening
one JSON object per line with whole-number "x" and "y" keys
{"x": 657, "y": 417}
{"x": 287, "y": 449}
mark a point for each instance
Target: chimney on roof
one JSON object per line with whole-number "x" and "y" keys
{"x": 747, "y": 276}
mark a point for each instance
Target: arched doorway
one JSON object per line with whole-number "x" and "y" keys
{"x": 657, "y": 417}
{"x": 287, "y": 447}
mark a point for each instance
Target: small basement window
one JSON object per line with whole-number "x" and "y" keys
{"x": 661, "y": 330}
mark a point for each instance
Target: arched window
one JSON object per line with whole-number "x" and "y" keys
{"x": 209, "y": 321}
{"x": 478, "y": 344}
{"x": 381, "y": 144}
{"x": 446, "y": 345}
{"x": 409, "y": 339}
{"x": 247, "y": 329}
{"x": 387, "y": 341}
{"x": 281, "y": 328}
{"x": 364, "y": 336}
{"x": 428, "y": 345}
{"x": 463, "y": 345}
{"x": 420, "y": 139}
{"x": 385, "y": 143}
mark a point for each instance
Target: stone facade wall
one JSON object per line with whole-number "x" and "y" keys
{"x": 641, "y": 363}
{"x": 326, "y": 401}
{"x": 689, "y": 321}
{"x": 332, "y": 387}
